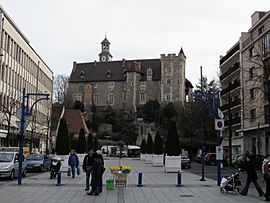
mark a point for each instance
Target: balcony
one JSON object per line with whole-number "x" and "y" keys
{"x": 230, "y": 105}
{"x": 235, "y": 67}
{"x": 230, "y": 87}
{"x": 233, "y": 121}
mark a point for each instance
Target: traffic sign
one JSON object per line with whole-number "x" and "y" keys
{"x": 219, "y": 124}
{"x": 219, "y": 153}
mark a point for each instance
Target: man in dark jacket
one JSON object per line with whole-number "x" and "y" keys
{"x": 88, "y": 166}
{"x": 73, "y": 162}
{"x": 252, "y": 177}
{"x": 102, "y": 170}
{"x": 96, "y": 174}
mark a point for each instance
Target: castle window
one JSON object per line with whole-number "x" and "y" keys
{"x": 95, "y": 85}
{"x": 149, "y": 72}
{"x": 168, "y": 97}
{"x": 77, "y": 97}
{"x": 80, "y": 88}
{"x": 111, "y": 85}
{"x": 169, "y": 70}
{"x": 96, "y": 98}
{"x": 110, "y": 99}
{"x": 108, "y": 74}
{"x": 142, "y": 97}
{"x": 169, "y": 81}
{"x": 142, "y": 84}
{"x": 82, "y": 75}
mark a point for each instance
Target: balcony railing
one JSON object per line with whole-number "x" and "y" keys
{"x": 230, "y": 105}
{"x": 232, "y": 121}
{"x": 230, "y": 70}
{"x": 230, "y": 87}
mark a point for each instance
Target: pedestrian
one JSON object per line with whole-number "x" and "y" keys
{"x": 252, "y": 177}
{"x": 88, "y": 166}
{"x": 266, "y": 176}
{"x": 96, "y": 173}
{"x": 73, "y": 162}
{"x": 102, "y": 170}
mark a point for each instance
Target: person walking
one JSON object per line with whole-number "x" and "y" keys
{"x": 96, "y": 173}
{"x": 252, "y": 177}
{"x": 73, "y": 162}
{"x": 87, "y": 167}
{"x": 266, "y": 176}
{"x": 99, "y": 153}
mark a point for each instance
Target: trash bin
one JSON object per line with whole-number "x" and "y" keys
{"x": 110, "y": 184}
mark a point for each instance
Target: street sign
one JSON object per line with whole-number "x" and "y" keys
{"x": 219, "y": 124}
{"x": 219, "y": 153}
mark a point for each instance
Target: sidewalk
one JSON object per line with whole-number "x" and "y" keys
{"x": 158, "y": 187}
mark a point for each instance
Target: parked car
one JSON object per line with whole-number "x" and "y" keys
{"x": 185, "y": 162}
{"x": 9, "y": 165}
{"x": 38, "y": 162}
{"x": 210, "y": 159}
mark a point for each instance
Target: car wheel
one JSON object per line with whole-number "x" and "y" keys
{"x": 12, "y": 175}
{"x": 24, "y": 173}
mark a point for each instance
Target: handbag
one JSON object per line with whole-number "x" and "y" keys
{"x": 69, "y": 172}
{"x": 78, "y": 170}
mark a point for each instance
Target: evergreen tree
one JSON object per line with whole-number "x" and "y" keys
{"x": 81, "y": 146}
{"x": 149, "y": 145}
{"x": 172, "y": 141}
{"x": 90, "y": 144}
{"x": 158, "y": 145}
{"x": 95, "y": 143}
{"x": 143, "y": 147}
{"x": 62, "y": 141}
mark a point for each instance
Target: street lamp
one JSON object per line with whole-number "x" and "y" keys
{"x": 26, "y": 111}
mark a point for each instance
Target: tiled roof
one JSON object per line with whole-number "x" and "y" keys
{"x": 96, "y": 71}
{"x": 75, "y": 121}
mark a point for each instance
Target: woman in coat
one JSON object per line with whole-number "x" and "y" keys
{"x": 252, "y": 177}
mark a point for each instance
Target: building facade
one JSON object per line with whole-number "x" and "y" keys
{"x": 245, "y": 96}
{"x": 21, "y": 67}
{"x": 127, "y": 84}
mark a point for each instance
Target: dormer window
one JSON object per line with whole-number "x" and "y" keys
{"x": 108, "y": 74}
{"x": 82, "y": 75}
{"x": 149, "y": 74}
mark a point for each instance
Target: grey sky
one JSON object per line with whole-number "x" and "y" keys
{"x": 63, "y": 31}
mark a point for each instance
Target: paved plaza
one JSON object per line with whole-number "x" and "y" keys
{"x": 158, "y": 187}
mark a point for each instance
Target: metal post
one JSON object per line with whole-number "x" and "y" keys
{"x": 216, "y": 107}
{"x": 202, "y": 131}
{"x": 140, "y": 180}
{"x": 179, "y": 179}
{"x": 21, "y": 139}
{"x": 58, "y": 180}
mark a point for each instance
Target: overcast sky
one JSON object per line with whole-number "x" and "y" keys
{"x": 63, "y": 31}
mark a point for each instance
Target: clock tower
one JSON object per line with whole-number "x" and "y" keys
{"x": 105, "y": 54}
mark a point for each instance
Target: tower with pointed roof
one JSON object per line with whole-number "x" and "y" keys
{"x": 105, "y": 54}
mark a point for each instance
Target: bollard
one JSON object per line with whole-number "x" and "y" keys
{"x": 58, "y": 180}
{"x": 140, "y": 180}
{"x": 179, "y": 179}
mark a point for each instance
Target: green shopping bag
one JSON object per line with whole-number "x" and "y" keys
{"x": 110, "y": 184}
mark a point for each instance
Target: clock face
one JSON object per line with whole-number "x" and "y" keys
{"x": 103, "y": 58}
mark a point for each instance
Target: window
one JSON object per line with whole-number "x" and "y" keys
{"x": 111, "y": 85}
{"x": 168, "y": 97}
{"x": 124, "y": 97}
{"x": 252, "y": 91}
{"x": 110, "y": 99}
{"x": 168, "y": 81}
{"x": 149, "y": 72}
{"x": 251, "y": 72}
{"x": 252, "y": 52}
{"x": 82, "y": 75}
{"x": 142, "y": 97}
{"x": 80, "y": 88}
{"x": 96, "y": 98}
{"x": 77, "y": 97}
{"x": 169, "y": 70}
{"x": 95, "y": 85}
{"x": 108, "y": 74}
{"x": 265, "y": 44}
{"x": 261, "y": 29}
{"x": 132, "y": 83}
{"x": 142, "y": 84}
{"x": 252, "y": 114}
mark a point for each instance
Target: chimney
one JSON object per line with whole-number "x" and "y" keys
{"x": 123, "y": 62}
{"x": 257, "y": 16}
{"x": 95, "y": 63}
{"x": 74, "y": 66}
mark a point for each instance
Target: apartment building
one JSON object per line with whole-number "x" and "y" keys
{"x": 21, "y": 67}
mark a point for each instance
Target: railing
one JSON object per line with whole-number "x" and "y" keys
{"x": 230, "y": 104}
{"x": 230, "y": 70}
{"x": 232, "y": 121}
{"x": 228, "y": 55}
{"x": 230, "y": 87}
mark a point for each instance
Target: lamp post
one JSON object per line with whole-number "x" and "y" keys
{"x": 26, "y": 111}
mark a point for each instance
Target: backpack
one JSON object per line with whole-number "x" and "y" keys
{"x": 266, "y": 167}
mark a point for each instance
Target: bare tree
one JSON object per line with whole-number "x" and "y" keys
{"x": 60, "y": 88}
{"x": 9, "y": 110}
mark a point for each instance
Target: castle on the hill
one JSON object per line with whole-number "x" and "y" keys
{"x": 127, "y": 84}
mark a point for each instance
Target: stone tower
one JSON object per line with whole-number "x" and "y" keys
{"x": 172, "y": 84}
{"x": 105, "y": 54}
